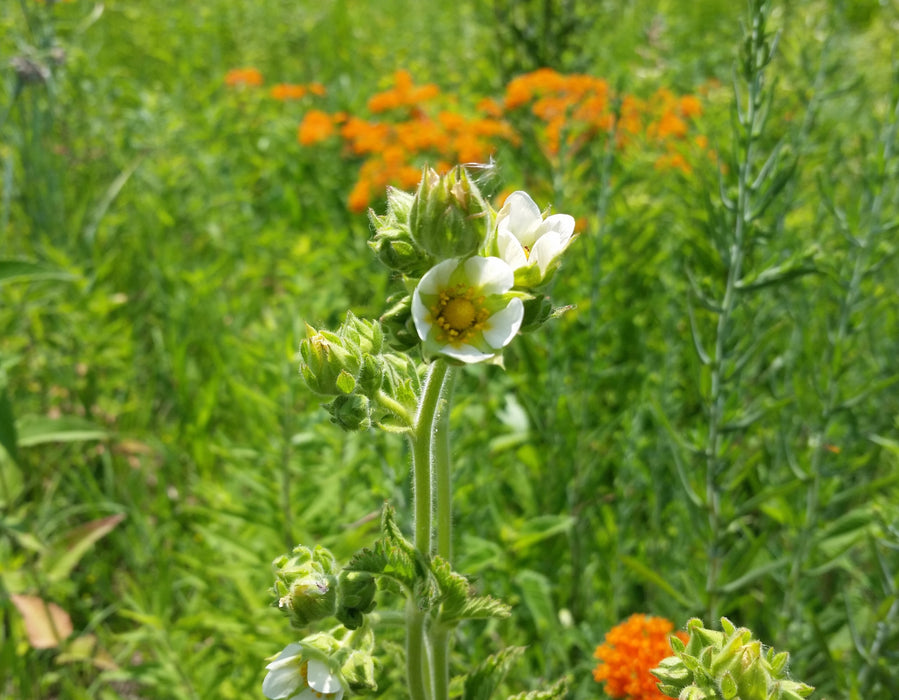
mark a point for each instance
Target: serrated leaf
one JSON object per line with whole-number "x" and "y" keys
{"x": 63, "y": 555}
{"x": 483, "y": 680}
{"x": 458, "y": 602}
{"x": 557, "y": 691}
{"x": 393, "y": 556}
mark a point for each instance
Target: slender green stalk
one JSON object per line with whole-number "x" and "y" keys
{"x": 421, "y": 439}
{"x": 751, "y": 121}
{"x": 442, "y": 471}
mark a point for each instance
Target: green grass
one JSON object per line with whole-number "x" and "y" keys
{"x": 184, "y": 238}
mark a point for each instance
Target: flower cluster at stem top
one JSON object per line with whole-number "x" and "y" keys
{"x": 476, "y": 275}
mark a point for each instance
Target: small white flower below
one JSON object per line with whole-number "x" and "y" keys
{"x": 292, "y": 676}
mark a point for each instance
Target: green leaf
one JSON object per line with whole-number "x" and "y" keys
{"x": 537, "y": 594}
{"x": 37, "y": 430}
{"x": 63, "y": 555}
{"x": 22, "y": 269}
{"x": 393, "y": 556}
{"x": 8, "y": 436}
{"x": 457, "y": 600}
{"x": 657, "y": 579}
{"x": 483, "y": 680}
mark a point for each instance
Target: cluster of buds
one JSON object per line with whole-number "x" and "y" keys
{"x": 309, "y": 587}
{"x": 350, "y": 368}
{"x": 474, "y": 275}
{"x": 726, "y": 665}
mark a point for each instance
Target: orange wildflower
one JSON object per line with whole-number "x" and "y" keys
{"x": 690, "y": 106}
{"x": 668, "y": 125}
{"x": 673, "y": 161}
{"x": 284, "y": 91}
{"x": 630, "y": 650}
{"x": 316, "y": 126}
{"x": 316, "y": 89}
{"x": 237, "y": 77}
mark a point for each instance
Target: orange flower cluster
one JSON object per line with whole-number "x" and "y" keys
{"x": 251, "y": 77}
{"x": 629, "y": 652}
{"x": 288, "y": 91}
{"x": 243, "y": 77}
{"x": 394, "y": 151}
{"x": 561, "y": 114}
{"x": 573, "y": 109}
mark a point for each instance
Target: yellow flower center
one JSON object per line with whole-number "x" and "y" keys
{"x": 459, "y": 314}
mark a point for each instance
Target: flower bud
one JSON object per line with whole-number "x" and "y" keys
{"x": 361, "y": 336}
{"x": 311, "y": 598}
{"x": 397, "y": 321}
{"x": 392, "y": 242}
{"x": 359, "y": 671}
{"x": 351, "y": 412}
{"x": 449, "y": 217}
{"x": 327, "y": 366}
{"x": 356, "y": 597}
{"x": 306, "y": 585}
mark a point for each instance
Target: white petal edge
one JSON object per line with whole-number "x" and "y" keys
{"x": 465, "y": 353}
{"x": 490, "y": 275}
{"x": 420, "y": 315}
{"x": 563, "y": 223}
{"x": 320, "y": 678}
{"x": 502, "y": 326}
{"x": 291, "y": 650}
{"x": 437, "y": 277}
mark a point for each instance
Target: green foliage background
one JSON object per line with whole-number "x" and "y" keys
{"x": 180, "y": 237}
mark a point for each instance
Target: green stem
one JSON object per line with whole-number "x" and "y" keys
{"x": 442, "y": 469}
{"x": 421, "y": 438}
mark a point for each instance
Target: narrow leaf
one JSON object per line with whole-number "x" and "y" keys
{"x": 63, "y": 555}
{"x": 23, "y": 270}
{"x": 656, "y": 578}
{"x": 8, "y": 437}
{"x": 37, "y": 430}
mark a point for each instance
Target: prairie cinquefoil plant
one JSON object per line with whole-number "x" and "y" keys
{"x": 474, "y": 280}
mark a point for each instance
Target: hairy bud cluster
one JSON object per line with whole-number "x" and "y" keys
{"x": 729, "y": 664}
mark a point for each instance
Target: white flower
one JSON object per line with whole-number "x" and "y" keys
{"x": 294, "y": 676}
{"x": 530, "y": 244}
{"x": 465, "y": 309}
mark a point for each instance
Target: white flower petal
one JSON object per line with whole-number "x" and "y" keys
{"x": 291, "y": 650}
{"x": 502, "y": 326}
{"x": 545, "y": 250}
{"x": 437, "y": 277}
{"x": 563, "y": 223}
{"x": 519, "y": 215}
{"x": 320, "y": 678}
{"x": 280, "y": 682}
{"x": 466, "y": 353}
{"x": 489, "y": 275}
{"x": 511, "y": 250}
{"x": 420, "y": 315}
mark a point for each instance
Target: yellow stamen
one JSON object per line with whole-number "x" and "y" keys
{"x": 458, "y": 314}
